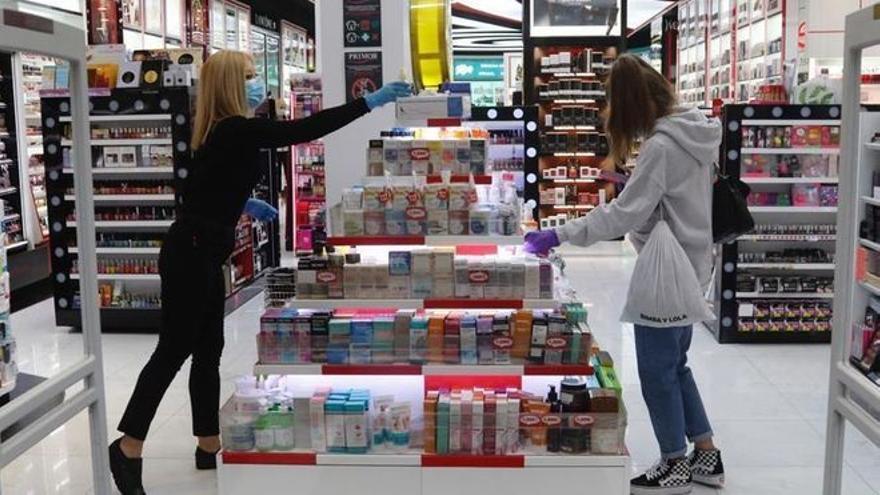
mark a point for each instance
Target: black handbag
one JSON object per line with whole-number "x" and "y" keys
{"x": 730, "y": 211}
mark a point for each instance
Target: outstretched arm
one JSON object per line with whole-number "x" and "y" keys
{"x": 638, "y": 200}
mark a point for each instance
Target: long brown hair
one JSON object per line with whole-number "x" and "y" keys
{"x": 637, "y": 96}
{"x": 221, "y": 92}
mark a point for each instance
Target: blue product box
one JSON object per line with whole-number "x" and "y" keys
{"x": 399, "y": 263}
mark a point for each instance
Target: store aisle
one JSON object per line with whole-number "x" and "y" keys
{"x": 767, "y": 403}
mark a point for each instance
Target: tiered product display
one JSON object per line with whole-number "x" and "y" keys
{"x": 566, "y": 84}
{"x": 777, "y": 282}
{"x": 731, "y": 50}
{"x": 359, "y": 390}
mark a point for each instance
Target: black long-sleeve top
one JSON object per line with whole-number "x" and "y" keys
{"x": 225, "y": 169}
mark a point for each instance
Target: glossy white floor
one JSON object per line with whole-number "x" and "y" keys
{"x": 767, "y": 403}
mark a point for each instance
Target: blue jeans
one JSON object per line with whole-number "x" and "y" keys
{"x": 668, "y": 386}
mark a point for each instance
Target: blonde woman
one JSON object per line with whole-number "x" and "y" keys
{"x": 223, "y": 173}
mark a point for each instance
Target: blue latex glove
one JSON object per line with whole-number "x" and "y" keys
{"x": 260, "y": 210}
{"x": 541, "y": 242}
{"x": 388, "y": 93}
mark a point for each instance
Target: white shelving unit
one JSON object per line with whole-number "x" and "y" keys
{"x": 62, "y": 40}
{"x": 853, "y": 396}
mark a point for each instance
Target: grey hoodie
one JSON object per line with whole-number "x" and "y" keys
{"x": 675, "y": 167}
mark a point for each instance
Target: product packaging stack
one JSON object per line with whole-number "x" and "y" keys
{"x": 583, "y": 418}
{"x": 865, "y": 352}
{"x": 396, "y": 208}
{"x": 350, "y": 422}
{"x": 424, "y": 273}
{"x": 405, "y": 152}
{"x": 289, "y": 336}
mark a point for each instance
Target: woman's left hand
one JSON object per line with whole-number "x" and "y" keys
{"x": 260, "y": 210}
{"x": 541, "y": 242}
{"x": 388, "y": 93}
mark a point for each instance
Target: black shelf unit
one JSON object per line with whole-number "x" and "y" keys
{"x": 533, "y": 49}
{"x": 173, "y": 105}
{"x": 728, "y": 301}
{"x": 528, "y": 116}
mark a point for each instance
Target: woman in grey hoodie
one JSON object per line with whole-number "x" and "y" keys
{"x": 675, "y": 166}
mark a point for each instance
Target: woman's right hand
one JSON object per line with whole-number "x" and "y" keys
{"x": 260, "y": 210}
{"x": 541, "y": 242}
{"x": 388, "y": 94}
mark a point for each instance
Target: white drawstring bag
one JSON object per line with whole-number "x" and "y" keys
{"x": 664, "y": 290}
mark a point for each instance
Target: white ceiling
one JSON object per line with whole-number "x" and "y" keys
{"x": 638, "y": 11}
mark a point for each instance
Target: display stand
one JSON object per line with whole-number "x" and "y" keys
{"x": 142, "y": 151}
{"x": 21, "y": 31}
{"x": 770, "y": 286}
{"x": 570, "y": 96}
{"x": 123, "y": 161}
{"x": 853, "y": 396}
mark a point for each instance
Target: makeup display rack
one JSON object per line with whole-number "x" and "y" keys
{"x": 776, "y": 283}
{"x": 854, "y": 387}
{"x": 140, "y": 147}
{"x": 729, "y": 49}
{"x": 564, "y": 79}
{"x": 425, "y": 423}
{"x": 11, "y": 158}
{"x": 307, "y": 187}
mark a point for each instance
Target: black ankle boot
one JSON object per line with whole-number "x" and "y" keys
{"x": 205, "y": 460}
{"x": 127, "y": 473}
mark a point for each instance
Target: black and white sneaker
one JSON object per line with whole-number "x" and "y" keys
{"x": 665, "y": 478}
{"x": 706, "y": 467}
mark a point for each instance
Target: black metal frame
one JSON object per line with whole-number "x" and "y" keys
{"x": 726, "y": 327}
{"x": 174, "y": 101}
{"x": 527, "y": 115}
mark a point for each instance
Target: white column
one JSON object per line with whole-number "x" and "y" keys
{"x": 346, "y": 149}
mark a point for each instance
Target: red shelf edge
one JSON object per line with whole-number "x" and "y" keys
{"x": 274, "y": 458}
{"x": 557, "y": 369}
{"x": 371, "y": 369}
{"x": 474, "y": 461}
{"x": 478, "y": 179}
{"x": 398, "y": 240}
{"x": 473, "y": 304}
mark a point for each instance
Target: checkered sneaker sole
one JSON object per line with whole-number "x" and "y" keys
{"x": 706, "y": 467}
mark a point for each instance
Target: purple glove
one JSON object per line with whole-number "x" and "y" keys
{"x": 541, "y": 242}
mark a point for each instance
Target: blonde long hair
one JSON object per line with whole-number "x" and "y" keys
{"x": 221, "y": 92}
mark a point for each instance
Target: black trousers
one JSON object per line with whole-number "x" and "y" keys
{"x": 193, "y": 299}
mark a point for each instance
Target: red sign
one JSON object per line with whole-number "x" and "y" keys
{"x": 802, "y": 36}
{"x": 556, "y": 343}
{"x": 420, "y": 153}
{"x": 503, "y": 342}
{"x": 326, "y": 277}
{"x": 551, "y": 420}
{"x": 529, "y": 420}
{"x": 583, "y": 420}
{"x": 478, "y": 276}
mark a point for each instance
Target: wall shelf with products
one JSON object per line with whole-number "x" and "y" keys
{"x": 777, "y": 282}
{"x": 138, "y": 169}
{"x": 854, "y": 385}
{"x": 565, "y": 81}
{"x": 729, "y": 49}
{"x": 306, "y": 220}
